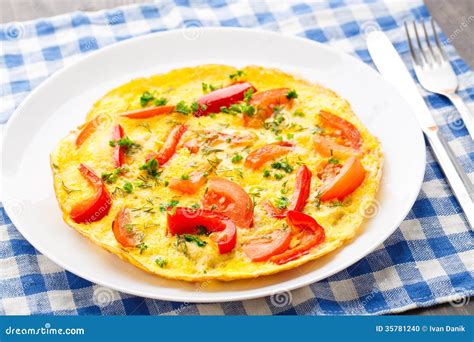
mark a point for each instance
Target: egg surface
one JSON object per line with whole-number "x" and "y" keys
{"x": 134, "y": 199}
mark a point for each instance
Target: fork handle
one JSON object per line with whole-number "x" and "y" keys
{"x": 466, "y": 114}
{"x": 455, "y": 175}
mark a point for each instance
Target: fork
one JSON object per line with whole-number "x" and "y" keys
{"x": 434, "y": 72}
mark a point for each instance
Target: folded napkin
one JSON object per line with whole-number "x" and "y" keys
{"x": 428, "y": 260}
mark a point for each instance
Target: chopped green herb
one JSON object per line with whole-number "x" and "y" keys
{"x": 195, "y": 239}
{"x": 184, "y": 177}
{"x": 299, "y": 113}
{"x": 278, "y": 176}
{"x": 282, "y": 165}
{"x": 160, "y": 101}
{"x": 248, "y": 95}
{"x": 128, "y": 187}
{"x": 111, "y": 177}
{"x": 145, "y": 98}
{"x": 236, "y": 158}
{"x": 292, "y": 94}
{"x": 290, "y": 136}
{"x": 236, "y": 75}
{"x": 142, "y": 246}
{"x": 282, "y": 203}
{"x": 151, "y": 167}
{"x": 266, "y": 173}
{"x": 195, "y": 107}
{"x": 167, "y": 206}
{"x": 161, "y": 262}
{"x": 333, "y": 160}
{"x": 68, "y": 189}
{"x": 182, "y": 108}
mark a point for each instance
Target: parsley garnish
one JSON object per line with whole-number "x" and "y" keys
{"x": 160, "y": 101}
{"x": 236, "y": 158}
{"x": 161, "y": 262}
{"x": 128, "y": 187}
{"x": 142, "y": 246}
{"x": 282, "y": 203}
{"x": 236, "y": 75}
{"x": 333, "y": 160}
{"x": 184, "y": 177}
{"x": 195, "y": 239}
{"x": 278, "y": 176}
{"x": 145, "y": 98}
{"x": 292, "y": 94}
{"x": 151, "y": 167}
{"x": 182, "y": 108}
{"x": 248, "y": 95}
{"x": 266, "y": 173}
{"x": 169, "y": 205}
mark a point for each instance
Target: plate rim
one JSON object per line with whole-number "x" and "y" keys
{"x": 239, "y": 296}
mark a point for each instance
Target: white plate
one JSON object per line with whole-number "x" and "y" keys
{"x": 62, "y": 101}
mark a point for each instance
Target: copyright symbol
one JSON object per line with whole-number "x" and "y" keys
{"x": 424, "y": 328}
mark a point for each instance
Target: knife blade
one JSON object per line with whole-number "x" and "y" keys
{"x": 393, "y": 69}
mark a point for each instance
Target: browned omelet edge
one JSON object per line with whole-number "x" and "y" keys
{"x": 315, "y": 253}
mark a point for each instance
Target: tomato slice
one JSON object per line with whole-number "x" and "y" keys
{"x": 349, "y": 131}
{"x": 327, "y": 147}
{"x": 260, "y": 156}
{"x": 310, "y": 235}
{"x": 119, "y": 151}
{"x": 88, "y": 129}
{"x": 264, "y": 103}
{"x": 300, "y": 196}
{"x": 228, "y": 198}
{"x": 147, "y": 113}
{"x": 348, "y": 179}
{"x": 96, "y": 207}
{"x": 123, "y": 234}
{"x": 264, "y": 247}
{"x": 188, "y": 186}
{"x": 224, "y": 97}
{"x": 169, "y": 147}
{"x": 189, "y": 220}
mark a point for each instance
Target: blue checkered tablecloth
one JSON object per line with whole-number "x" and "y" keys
{"x": 428, "y": 260}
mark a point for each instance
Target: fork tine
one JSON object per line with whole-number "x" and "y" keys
{"x": 427, "y": 39}
{"x": 442, "y": 53}
{"x": 422, "y": 52}
{"x": 410, "y": 45}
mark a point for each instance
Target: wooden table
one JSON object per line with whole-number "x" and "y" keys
{"x": 450, "y": 15}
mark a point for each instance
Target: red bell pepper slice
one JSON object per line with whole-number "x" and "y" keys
{"x": 87, "y": 130}
{"x": 224, "y": 97}
{"x": 188, "y": 220}
{"x": 125, "y": 236}
{"x": 119, "y": 151}
{"x": 169, "y": 147}
{"x": 349, "y": 131}
{"x": 96, "y": 207}
{"x": 310, "y": 233}
{"x": 300, "y": 196}
{"x": 264, "y": 103}
{"x": 260, "y": 156}
{"x": 148, "y": 112}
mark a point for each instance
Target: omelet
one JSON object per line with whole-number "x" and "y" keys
{"x": 217, "y": 173}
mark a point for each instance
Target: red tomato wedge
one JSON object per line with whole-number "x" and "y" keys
{"x": 87, "y": 130}
{"x": 348, "y": 130}
{"x": 348, "y": 179}
{"x": 169, "y": 147}
{"x": 223, "y": 97}
{"x": 119, "y": 151}
{"x": 310, "y": 235}
{"x": 96, "y": 207}
{"x": 188, "y": 186}
{"x": 260, "y": 156}
{"x": 123, "y": 234}
{"x": 228, "y": 198}
{"x": 147, "y": 113}
{"x": 264, "y": 103}
{"x": 263, "y": 248}
{"x": 300, "y": 196}
{"x": 188, "y": 220}
{"x": 327, "y": 147}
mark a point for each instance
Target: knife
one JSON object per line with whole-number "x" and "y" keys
{"x": 393, "y": 69}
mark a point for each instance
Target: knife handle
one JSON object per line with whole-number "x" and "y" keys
{"x": 458, "y": 180}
